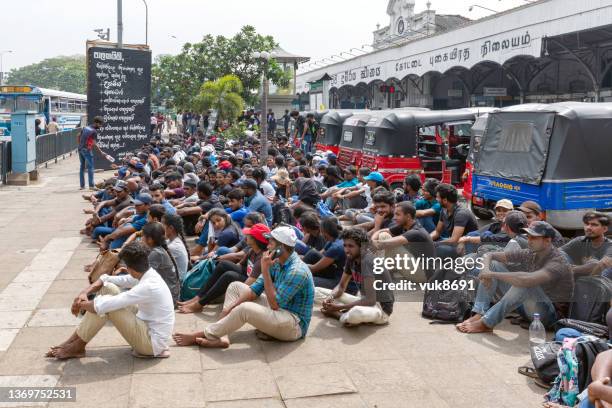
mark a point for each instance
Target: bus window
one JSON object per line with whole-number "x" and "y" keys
{"x": 7, "y": 104}
{"x": 27, "y": 104}
{"x": 71, "y": 107}
{"x": 63, "y": 105}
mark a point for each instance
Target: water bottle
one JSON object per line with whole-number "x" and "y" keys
{"x": 537, "y": 332}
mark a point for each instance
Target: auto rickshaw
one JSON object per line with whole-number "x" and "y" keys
{"x": 557, "y": 155}
{"x": 414, "y": 141}
{"x": 330, "y": 129}
{"x": 353, "y": 135}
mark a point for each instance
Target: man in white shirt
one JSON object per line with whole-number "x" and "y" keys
{"x": 144, "y": 314}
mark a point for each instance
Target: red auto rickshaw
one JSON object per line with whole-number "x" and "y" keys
{"x": 330, "y": 129}
{"x": 353, "y": 135}
{"x": 414, "y": 141}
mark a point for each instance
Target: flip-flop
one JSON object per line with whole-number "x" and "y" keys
{"x": 541, "y": 384}
{"x": 165, "y": 354}
{"x": 528, "y": 372}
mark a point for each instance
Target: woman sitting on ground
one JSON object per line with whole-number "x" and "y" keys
{"x": 247, "y": 271}
{"x": 160, "y": 258}
{"x": 173, "y": 225}
{"x": 225, "y": 232}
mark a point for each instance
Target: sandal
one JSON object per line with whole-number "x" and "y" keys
{"x": 528, "y": 372}
{"x": 541, "y": 384}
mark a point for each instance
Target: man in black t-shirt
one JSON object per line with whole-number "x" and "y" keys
{"x": 591, "y": 254}
{"x": 455, "y": 222}
{"x": 376, "y": 302}
{"x": 407, "y": 237}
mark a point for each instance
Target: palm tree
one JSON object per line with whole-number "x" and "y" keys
{"x": 222, "y": 95}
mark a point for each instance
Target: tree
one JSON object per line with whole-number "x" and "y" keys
{"x": 178, "y": 78}
{"x": 64, "y": 73}
{"x": 222, "y": 95}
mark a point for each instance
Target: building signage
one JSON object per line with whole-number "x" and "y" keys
{"x": 494, "y": 91}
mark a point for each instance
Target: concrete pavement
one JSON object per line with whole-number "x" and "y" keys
{"x": 408, "y": 363}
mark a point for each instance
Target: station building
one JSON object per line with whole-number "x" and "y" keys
{"x": 545, "y": 51}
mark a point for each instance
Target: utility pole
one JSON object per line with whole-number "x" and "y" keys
{"x": 119, "y": 24}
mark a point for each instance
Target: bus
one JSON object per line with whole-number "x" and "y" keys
{"x": 69, "y": 109}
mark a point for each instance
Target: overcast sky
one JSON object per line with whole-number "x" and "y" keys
{"x": 39, "y": 29}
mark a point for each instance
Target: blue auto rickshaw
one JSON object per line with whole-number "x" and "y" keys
{"x": 559, "y": 155}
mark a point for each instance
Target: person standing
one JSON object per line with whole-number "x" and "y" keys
{"x": 53, "y": 127}
{"x": 271, "y": 123}
{"x": 286, "y": 121}
{"x": 87, "y": 140}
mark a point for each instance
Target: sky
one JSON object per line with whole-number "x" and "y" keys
{"x": 39, "y": 29}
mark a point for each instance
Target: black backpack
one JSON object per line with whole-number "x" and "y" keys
{"x": 591, "y": 301}
{"x": 448, "y": 306}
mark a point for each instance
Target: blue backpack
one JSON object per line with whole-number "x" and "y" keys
{"x": 196, "y": 278}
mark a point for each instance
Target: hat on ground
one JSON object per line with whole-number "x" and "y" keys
{"x": 530, "y": 206}
{"x": 143, "y": 198}
{"x": 284, "y": 235}
{"x": 375, "y": 176}
{"x": 258, "y": 231}
{"x": 120, "y": 185}
{"x": 541, "y": 229}
{"x": 505, "y": 203}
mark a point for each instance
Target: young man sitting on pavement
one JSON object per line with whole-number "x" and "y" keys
{"x": 128, "y": 226}
{"x": 455, "y": 222}
{"x": 544, "y": 283}
{"x": 147, "y": 329}
{"x": 384, "y": 203}
{"x": 490, "y": 233}
{"x": 376, "y": 302}
{"x": 428, "y": 208}
{"x": 406, "y": 237}
{"x": 105, "y": 212}
{"x": 283, "y": 312}
{"x": 591, "y": 254}
{"x": 534, "y": 212}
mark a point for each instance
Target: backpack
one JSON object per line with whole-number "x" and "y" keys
{"x": 591, "y": 300}
{"x": 447, "y": 306}
{"x": 196, "y": 278}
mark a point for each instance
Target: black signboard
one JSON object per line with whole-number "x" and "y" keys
{"x": 119, "y": 90}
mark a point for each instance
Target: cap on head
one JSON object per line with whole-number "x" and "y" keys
{"x": 541, "y": 229}
{"x": 375, "y": 176}
{"x": 120, "y": 185}
{"x": 505, "y": 203}
{"x": 530, "y": 206}
{"x": 285, "y": 235}
{"x": 516, "y": 221}
{"x": 260, "y": 232}
{"x": 143, "y": 198}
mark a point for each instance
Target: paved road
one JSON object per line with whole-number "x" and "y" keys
{"x": 408, "y": 363}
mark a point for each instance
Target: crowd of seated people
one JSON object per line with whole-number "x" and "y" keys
{"x": 290, "y": 232}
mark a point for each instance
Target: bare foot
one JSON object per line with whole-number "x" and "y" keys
{"x": 88, "y": 212}
{"x": 190, "y": 308}
{"x": 472, "y": 319}
{"x": 334, "y": 315}
{"x": 185, "y": 339}
{"x": 88, "y": 268}
{"x": 475, "y": 327}
{"x": 204, "y": 342}
{"x": 187, "y": 302}
{"x": 72, "y": 350}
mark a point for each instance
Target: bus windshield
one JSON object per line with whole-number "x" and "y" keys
{"x": 28, "y": 103}
{"x": 7, "y": 104}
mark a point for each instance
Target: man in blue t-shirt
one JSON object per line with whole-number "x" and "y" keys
{"x": 119, "y": 235}
{"x": 256, "y": 201}
{"x": 87, "y": 141}
{"x": 428, "y": 208}
{"x": 236, "y": 210}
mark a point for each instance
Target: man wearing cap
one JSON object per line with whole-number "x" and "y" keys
{"x": 534, "y": 212}
{"x": 491, "y": 233}
{"x": 543, "y": 285}
{"x": 128, "y": 226}
{"x": 279, "y": 303}
{"x": 103, "y": 217}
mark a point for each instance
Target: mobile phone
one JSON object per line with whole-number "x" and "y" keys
{"x": 276, "y": 253}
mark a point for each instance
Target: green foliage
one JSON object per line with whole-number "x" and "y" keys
{"x": 235, "y": 131}
{"x": 177, "y": 79}
{"x": 64, "y": 73}
{"x": 222, "y": 95}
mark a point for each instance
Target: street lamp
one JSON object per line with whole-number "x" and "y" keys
{"x": 265, "y": 57}
{"x": 146, "y": 22}
{"x": 1, "y": 67}
{"x": 484, "y": 8}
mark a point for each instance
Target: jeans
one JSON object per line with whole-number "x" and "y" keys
{"x": 307, "y": 143}
{"x": 101, "y": 231}
{"x": 565, "y": 333}
{"x": 301, "y": 248}
{"x": 118, "y": 243}
{"x": 86, "y": 159}
{"x": 526, "y": 301}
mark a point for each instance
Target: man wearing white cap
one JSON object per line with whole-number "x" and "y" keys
{"x": 279, "y": 303}
{"x": 491, "y": 233}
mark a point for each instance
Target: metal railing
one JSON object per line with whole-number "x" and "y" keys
{"x": 53, "y": 145}
{"x": 50, "y": 146}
